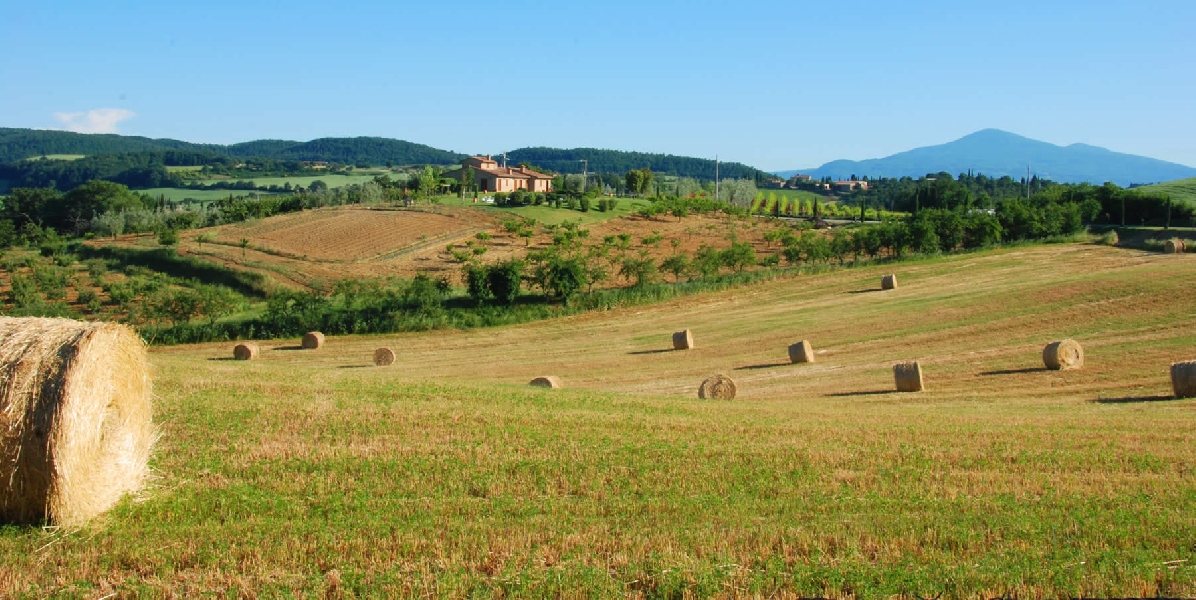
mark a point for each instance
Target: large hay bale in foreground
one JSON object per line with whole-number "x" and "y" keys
{"x": 908, "y": 376}
{"x": 1174, "y": 246}
{"x": 312, "y": 340}
{"x": 75, "y": 418}
{"x": 1183, "y": 379}
{"x": 717, "y": 387}
{"x": 246, "y": 351}
{"x": 550, "y": 381}
{"x": 1063, "y": 355}
{"x": 384, "y": 357}
{"x": 683, "y": 340}
{"x": 888, "y": 282}
{"x": 801, "y": 352}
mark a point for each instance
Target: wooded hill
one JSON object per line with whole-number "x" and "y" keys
{"x": 21, "y": 144}
{"x": 18, "y": 145}
{"x": 616, "y": 161}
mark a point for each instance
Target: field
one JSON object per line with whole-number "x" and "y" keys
{"x": 314, "y": 473}
{"x": 346, "y": 235}
{"x": 57, "y": 157}
{"x": 1183, "y": 190}
{"x": 204, "y": 196}
{"x": 333, "y": 181}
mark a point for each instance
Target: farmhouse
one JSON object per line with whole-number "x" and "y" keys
{"x": 851, "y": 185}
{"x": 492, "y": 178}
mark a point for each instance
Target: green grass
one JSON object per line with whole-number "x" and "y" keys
{"x": 180, "y": 194}
{"x": 333, "y": 181}
{"x": 1183, "y": 190}
{"x": 187, "y": 169}
{"x": 58, "y": 157}
{"x": 304, "y": 474}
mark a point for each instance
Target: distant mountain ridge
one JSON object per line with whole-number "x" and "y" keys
{"x": 19, "y": 144}
{"x": 997, "y": 153}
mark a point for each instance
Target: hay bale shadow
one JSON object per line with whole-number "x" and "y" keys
{"x": 763, "y": 366}
{"x": 1134, "y": 399}
{"x": 221, "y": 358}
{"x": 1014, "y": 371}
{"x": 663, "y": 351}
{"x": 355, "y": 366}
{"x": 868, "y": 393}
{"x": 867, "y": 291}
{"x": 287, "y": 348}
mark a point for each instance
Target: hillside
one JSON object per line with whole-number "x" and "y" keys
{"x": 20, "y": 144}
{"x": 619, "y": 162}
{"x": 997, "y": 153}
{"x": 1183, "y": 190}
{"x": 445, "y": 475}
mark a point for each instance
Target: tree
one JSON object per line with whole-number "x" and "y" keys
{"x": 168, "y": 237}
{"x": 639, "y": 180}
{"x": 504, "y": 280}
{"x": 565, "y": 277}
{"x": 243, "y": 244}
{"x": 640, "y": 270}
{"x": 677, "y": 264}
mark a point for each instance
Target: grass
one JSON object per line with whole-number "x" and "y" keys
{"x": 554, "y": 216}
{"x": 333, "y": 180}
{"x": 180, "y": 194}
{"x": 305, "y": 473}
{"x": 1183, "y": 190}
{"x": 58, "y": 157}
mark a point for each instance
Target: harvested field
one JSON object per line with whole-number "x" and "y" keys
{"x": 345, "y": 235}
{"x": 446, "y": 475}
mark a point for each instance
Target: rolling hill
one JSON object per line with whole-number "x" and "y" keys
{"x": 20, "y": 144}
{"x": 1182, "y": 190}
{"x": 997, "y": 153}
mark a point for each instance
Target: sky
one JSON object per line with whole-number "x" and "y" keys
{"x": 777, "y": 85}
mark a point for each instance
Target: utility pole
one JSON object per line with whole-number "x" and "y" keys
{"x": 585, "y": 168}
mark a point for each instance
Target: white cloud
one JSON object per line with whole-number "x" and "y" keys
{"x": 96, "y": 120}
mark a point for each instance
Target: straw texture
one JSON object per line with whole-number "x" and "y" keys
{"x": 76, "y": 427}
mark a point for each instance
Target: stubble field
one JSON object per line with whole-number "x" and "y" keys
{"x": 314, "y": 472}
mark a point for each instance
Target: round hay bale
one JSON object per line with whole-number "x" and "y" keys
{"x": 1183, "y": 379}
{"x": 801, "y": 352}
{"x": 76, "y": 423}
{"x": 717, "y": 387}
{"x": 384, "y": 357}
{"x": 246, "y": 351}
{"x": 312, "y": 340}
{"x": 1063, "y": 355}
{"x": 546, "y": 382}
{"x": 908, "y": 376}
{"x": 1174, "y": 246}
{"x": 888, "y": 282}
{"x": 683, "y": 340}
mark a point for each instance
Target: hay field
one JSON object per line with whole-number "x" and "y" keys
{"x": 314, "y": 472}
{"x": 344, "y": 234}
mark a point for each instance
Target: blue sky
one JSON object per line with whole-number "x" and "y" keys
{"x": 779, "y": 85}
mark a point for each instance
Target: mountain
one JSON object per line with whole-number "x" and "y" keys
{"x": 20, "y": 144}
{"x": 996, "y": 153}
